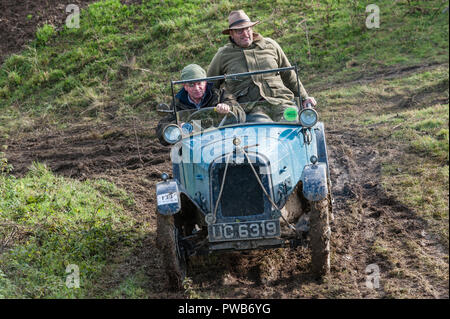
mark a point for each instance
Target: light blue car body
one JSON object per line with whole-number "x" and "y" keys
{"x": 285, "y": 150}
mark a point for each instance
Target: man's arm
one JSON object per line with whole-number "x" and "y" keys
{"x": 226, "y": 103}
{"x": 289, "y": 78}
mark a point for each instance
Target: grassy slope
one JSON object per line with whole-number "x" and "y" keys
{"x": 98, "y": 68}
{"x": 56, "y": 222}
{"x": 407, "y": 119}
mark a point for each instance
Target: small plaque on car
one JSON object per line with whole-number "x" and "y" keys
{"x": 168, "y": 198}
{"x": 244, "y": 230}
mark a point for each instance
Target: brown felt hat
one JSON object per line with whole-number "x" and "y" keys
{"x": 238, "y": 20}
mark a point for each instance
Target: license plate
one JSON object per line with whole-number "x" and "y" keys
{"x": 168, "y": 198}
{"x": 244, "y": 230}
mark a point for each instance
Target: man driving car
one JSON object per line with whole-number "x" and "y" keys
{"x": 197, "y": 95}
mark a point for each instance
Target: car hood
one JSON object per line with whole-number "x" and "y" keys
{"x": 273, "y": 141}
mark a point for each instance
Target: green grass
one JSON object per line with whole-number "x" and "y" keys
{"x": 44, "y": 34}
{"x": 417, "y": 114}
{"x": 54, "y": 222}
{"x": 63, "y": 73}
{"x": 424, "y": 130}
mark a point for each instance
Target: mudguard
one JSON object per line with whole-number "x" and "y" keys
{"x": 168, "y": 197}
{"x": 314, "y": 178}
{"x": 321, "y": 143}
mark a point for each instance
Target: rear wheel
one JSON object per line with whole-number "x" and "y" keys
{"x": 320, "y": 234}
{"x": 174, "y": 257}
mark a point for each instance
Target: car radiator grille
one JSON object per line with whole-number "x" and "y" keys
{"x": 242, "y": 195}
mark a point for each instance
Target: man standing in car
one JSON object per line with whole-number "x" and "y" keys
{"x": 249, "y": 51}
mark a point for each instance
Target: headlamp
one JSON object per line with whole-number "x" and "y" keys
{"x": 308, "y": 117}
{"x": 172, "y": 134}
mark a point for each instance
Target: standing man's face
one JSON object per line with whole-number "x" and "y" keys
{"x": 196, "y": 90}
{"x": 242, "y": 37}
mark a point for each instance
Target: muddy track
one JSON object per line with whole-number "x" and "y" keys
{"x": 365, "y": 216}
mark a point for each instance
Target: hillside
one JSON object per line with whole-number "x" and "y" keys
{"x": 79, "y": 158}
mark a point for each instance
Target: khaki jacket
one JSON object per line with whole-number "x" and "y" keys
{"x": 264, "y": 53}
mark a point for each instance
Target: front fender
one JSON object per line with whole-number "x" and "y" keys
{"x": 168, "y": 197}
{"x": 314, "y": 178}
{"x": 171, "y": 197}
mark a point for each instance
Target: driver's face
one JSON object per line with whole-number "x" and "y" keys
{"x": 196, "y": 90}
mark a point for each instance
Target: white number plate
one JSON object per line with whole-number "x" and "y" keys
{"x": 244, "y": 230}
{"x": 168, "y": 198}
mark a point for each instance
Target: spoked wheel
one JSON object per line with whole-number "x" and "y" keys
{"x": 174, "y": 256}
{"x": 320, "y": 234}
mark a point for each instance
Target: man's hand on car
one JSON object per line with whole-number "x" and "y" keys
{"x": 310, "y": 100}
{"x": 222, "y": 108}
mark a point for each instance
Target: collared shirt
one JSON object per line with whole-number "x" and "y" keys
{"x": 184, "y": 102}
{"x": 199, "y": 103}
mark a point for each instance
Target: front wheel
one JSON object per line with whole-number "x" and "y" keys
{"x": 174, "y": 257}
{"x": 320, "y": 234}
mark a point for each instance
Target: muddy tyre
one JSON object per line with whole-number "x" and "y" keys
{"x": 174, "y": 258}
{"x": 320, "y": 233}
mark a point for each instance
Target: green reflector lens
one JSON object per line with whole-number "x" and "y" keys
{"x": 290, "y": 114}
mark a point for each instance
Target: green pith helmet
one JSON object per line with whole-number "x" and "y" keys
{"x": 192, "y": 71}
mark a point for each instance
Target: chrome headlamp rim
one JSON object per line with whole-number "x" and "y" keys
{"x": 167, "y": 130}
{"x": 308, "y": 124}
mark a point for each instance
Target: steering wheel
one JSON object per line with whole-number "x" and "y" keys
{"x": 211, "y": 109}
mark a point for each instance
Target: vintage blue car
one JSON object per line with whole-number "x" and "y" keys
{"x": 237, "y": 185}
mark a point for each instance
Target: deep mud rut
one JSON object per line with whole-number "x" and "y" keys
{"x": 409, "y": 260}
